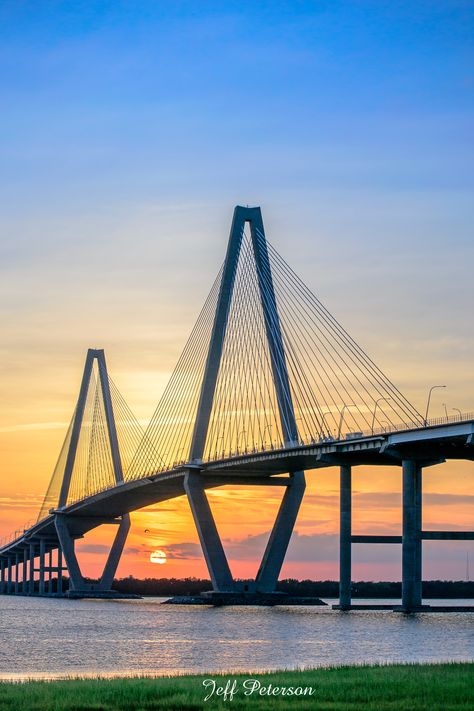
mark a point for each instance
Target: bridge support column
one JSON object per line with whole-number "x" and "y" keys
{"x": 50, "y": 573}
{"x": 31, "y": 577}
{"x": 270, "y": 567}
{"x": 59, "y": 588}
{"x": 2, "y": 576}
{"x": 345, "y": 533}
{"x": 113, "y": 559}
{"x": 9, "y": 575}
{"x": 41, "y": 566}
{"x": 214, "y": 554}
{"x": 76, "y": 581}
{"x": 24, "y": 582}
{"x": 411, "y": 539}
{"x": 17, "y": 573}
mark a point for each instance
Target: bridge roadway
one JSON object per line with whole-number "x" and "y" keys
{"x": 427, "y": 446}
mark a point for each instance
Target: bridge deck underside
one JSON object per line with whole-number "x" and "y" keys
{"x": 427, "y": 446}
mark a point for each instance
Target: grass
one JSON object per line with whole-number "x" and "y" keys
{"x": 437, "y": 687}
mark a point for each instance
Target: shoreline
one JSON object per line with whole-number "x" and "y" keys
{"x": 121, "y": 676}
{"x": 47, "y": 677}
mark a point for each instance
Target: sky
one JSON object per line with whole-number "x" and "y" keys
{"x": 128, "y": 133}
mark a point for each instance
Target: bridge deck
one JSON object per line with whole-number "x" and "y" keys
{"x": 428, "y": 445}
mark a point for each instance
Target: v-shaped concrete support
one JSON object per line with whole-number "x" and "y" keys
{"x": 214, "y": 553}
{"x": 66, "y": 539}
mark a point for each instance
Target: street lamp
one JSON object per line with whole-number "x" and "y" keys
{"x": 433, "y": 387}
{"x": 375, "y": 410}
{"x": 344, "y": 407}
{"x": 446, "y": 410}
{"x": 323, "y": 422}
{"x": 456, "y": 409}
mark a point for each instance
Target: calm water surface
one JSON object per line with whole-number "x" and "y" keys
{"x": 47, "y": 637}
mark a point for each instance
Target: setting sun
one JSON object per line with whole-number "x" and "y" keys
{"x": 158, "y": 557}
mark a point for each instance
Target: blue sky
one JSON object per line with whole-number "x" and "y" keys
{"x": 112, "y": 101}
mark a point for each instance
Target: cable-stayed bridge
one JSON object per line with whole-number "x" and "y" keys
{"x": 268, "y": 386}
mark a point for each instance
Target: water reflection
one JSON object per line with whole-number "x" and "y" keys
{"x": 42, "y": 637}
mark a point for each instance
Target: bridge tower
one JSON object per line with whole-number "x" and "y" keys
{"x": 69, "y": 528}
{"x": 195, "y": 480}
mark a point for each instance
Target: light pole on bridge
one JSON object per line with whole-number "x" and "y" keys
{"x": 433, "y": 387}
{"x": 380, "y": 399}
{"x": 323, "y": 422}
{"x": 344, "y": 408}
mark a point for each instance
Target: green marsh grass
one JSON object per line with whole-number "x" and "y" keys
{"x": 410, "y": 687}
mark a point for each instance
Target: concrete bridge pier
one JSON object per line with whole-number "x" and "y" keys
{"x": 31, "y": 570}
{"x": 411, "y": 537}
{"x": 9, "y": 575}
{"x": 211, "y": 544}
{"x": 274, "y": 555}
{"x": 24, "y": 577}
{"x": 60, "y": 571}
{"x": 50, "y": 572}
{"x": 345, "y": 538}
{"x": 78, "y": 587}
{"x": 41, "y": 566}
{"x": 17, "y": 570}
{"x": 2, "y": 575}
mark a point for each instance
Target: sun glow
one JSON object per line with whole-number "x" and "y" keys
{"x": 158, "y": 557}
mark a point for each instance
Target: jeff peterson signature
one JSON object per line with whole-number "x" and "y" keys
{"x": 227, "y": 690}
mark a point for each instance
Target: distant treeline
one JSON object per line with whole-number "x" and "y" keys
{"x": 166, "y": 587}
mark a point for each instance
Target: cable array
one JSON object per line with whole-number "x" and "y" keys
{"x": 167, "y": 439}
{"x": 289, "y": 373}
{"x": 318, "y": 382}
{"x": 93, "y": 468}
{"x": 51, "y": 497}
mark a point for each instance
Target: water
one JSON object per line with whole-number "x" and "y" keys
{"x": 46, "y": 637}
